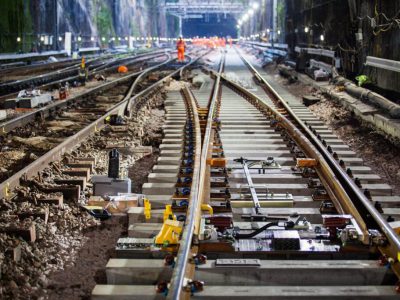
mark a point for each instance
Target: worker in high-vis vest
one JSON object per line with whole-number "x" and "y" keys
{"x": 83, "y": 72}
{"x": 180, "y": 46}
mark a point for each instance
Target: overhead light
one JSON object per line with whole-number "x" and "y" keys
{"x": 255, "y": 6}
{"x": 18, "y": 39}
{"x": 306, "y": 29}
{"x": 251, "y": 12}
{"x": 322, "y": 38}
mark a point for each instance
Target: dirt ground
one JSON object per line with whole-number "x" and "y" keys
{"x": 78, "y": 279}
{"x": 378, "y": 153}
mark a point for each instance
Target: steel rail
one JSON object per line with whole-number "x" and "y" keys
{"x": 352, "y": 189}
{"x": 135, "y": 83}
{"x": 180, "y": 270}
{"x": 48, "y": 109}
{"x": 68, "y": 72}
{"x": 71, "y": 142}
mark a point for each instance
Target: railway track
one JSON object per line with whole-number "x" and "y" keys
{"x": 44, "y": 112}
{"x": 70, "y": 74}
{"x": 251, "y": 199}
{"x": 64, "y": 127}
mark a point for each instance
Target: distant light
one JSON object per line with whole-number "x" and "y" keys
{"x": 245, "y": 17}
{"x": 79, "y": 39}
{"x": 113, "y": 38}
{"x": 126, "y": 38}
{"x": 268, "y": 30}
{"x": 251, "y": 12}
{"x": 322, "y": 38}
{"x": 255, "y": 6}
{"x": 60, "y": 38}
{"x": 279, "y": 32}
{"x": 238, "y": 26}
{"x": 103, "y": 39}
{"x": 119, "y": 38}
{"x": 240, "y": 22}
{"x": 306, "y": 30}
{"x": 92, "y": 38}
{"x": 18, "y": 39}
{"x": 42, "y": 38}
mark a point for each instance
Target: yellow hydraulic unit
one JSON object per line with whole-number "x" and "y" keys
{"x": 170, "y": 233}
{"x": 168, "y": 214}
{"x": 147, "y": 208}
{"x": 208, "y": 208}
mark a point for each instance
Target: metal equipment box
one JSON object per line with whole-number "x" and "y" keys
{"x": 105, "y": 186}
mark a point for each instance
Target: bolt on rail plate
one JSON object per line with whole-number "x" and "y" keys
{"x": 241, "y": 262}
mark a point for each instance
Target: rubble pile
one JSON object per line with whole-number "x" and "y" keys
{"x": 25, "y": 265}
{"x": 29, "y": 264}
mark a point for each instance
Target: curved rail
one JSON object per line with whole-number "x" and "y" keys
{"x": 48, "y": 109}
{"x": 66, "y": 75}
{"x": 351, "y": 188}
{"x": 180, "y": 271}
{"x": 71, "y": 142}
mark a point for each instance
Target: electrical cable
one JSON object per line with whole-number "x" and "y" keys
{"x": 254, "y": 233}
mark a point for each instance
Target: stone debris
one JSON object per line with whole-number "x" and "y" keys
{"x": 60, "y": 225}
{"x": 38, "y": 142}
{"x": 176, "y": 85}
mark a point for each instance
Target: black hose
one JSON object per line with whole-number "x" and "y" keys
{"x": 254, "y": 233}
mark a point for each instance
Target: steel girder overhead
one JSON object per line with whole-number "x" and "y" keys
{"x": 188, "y": 9}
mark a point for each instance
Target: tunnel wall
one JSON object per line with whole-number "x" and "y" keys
{"x": 339, "y": 21}
{"x": 29, "y": 18}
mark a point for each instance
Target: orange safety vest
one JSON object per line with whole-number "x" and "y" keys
{"x": 180, "y": 46}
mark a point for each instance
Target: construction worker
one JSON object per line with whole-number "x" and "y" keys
{"x": 180, "y": 46}
{"x": 83, "y": 72}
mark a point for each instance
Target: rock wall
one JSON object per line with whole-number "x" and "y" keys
{"x": 86, "y": 18}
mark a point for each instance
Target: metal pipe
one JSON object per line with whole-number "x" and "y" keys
{"x": 362, "y": 93}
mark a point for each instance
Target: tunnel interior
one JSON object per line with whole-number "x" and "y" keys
{"x": 210, "y": 25}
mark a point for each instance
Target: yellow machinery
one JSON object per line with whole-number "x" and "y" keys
{"x": 170, "y": 233}
{"x": 168, "y": 214}
{"x": 147, "y": 208}
{"x": 207, "y": 207}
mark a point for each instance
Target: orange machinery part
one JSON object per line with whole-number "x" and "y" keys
{"x": 306, "y": 163}
{"x": 216, "y": 162}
